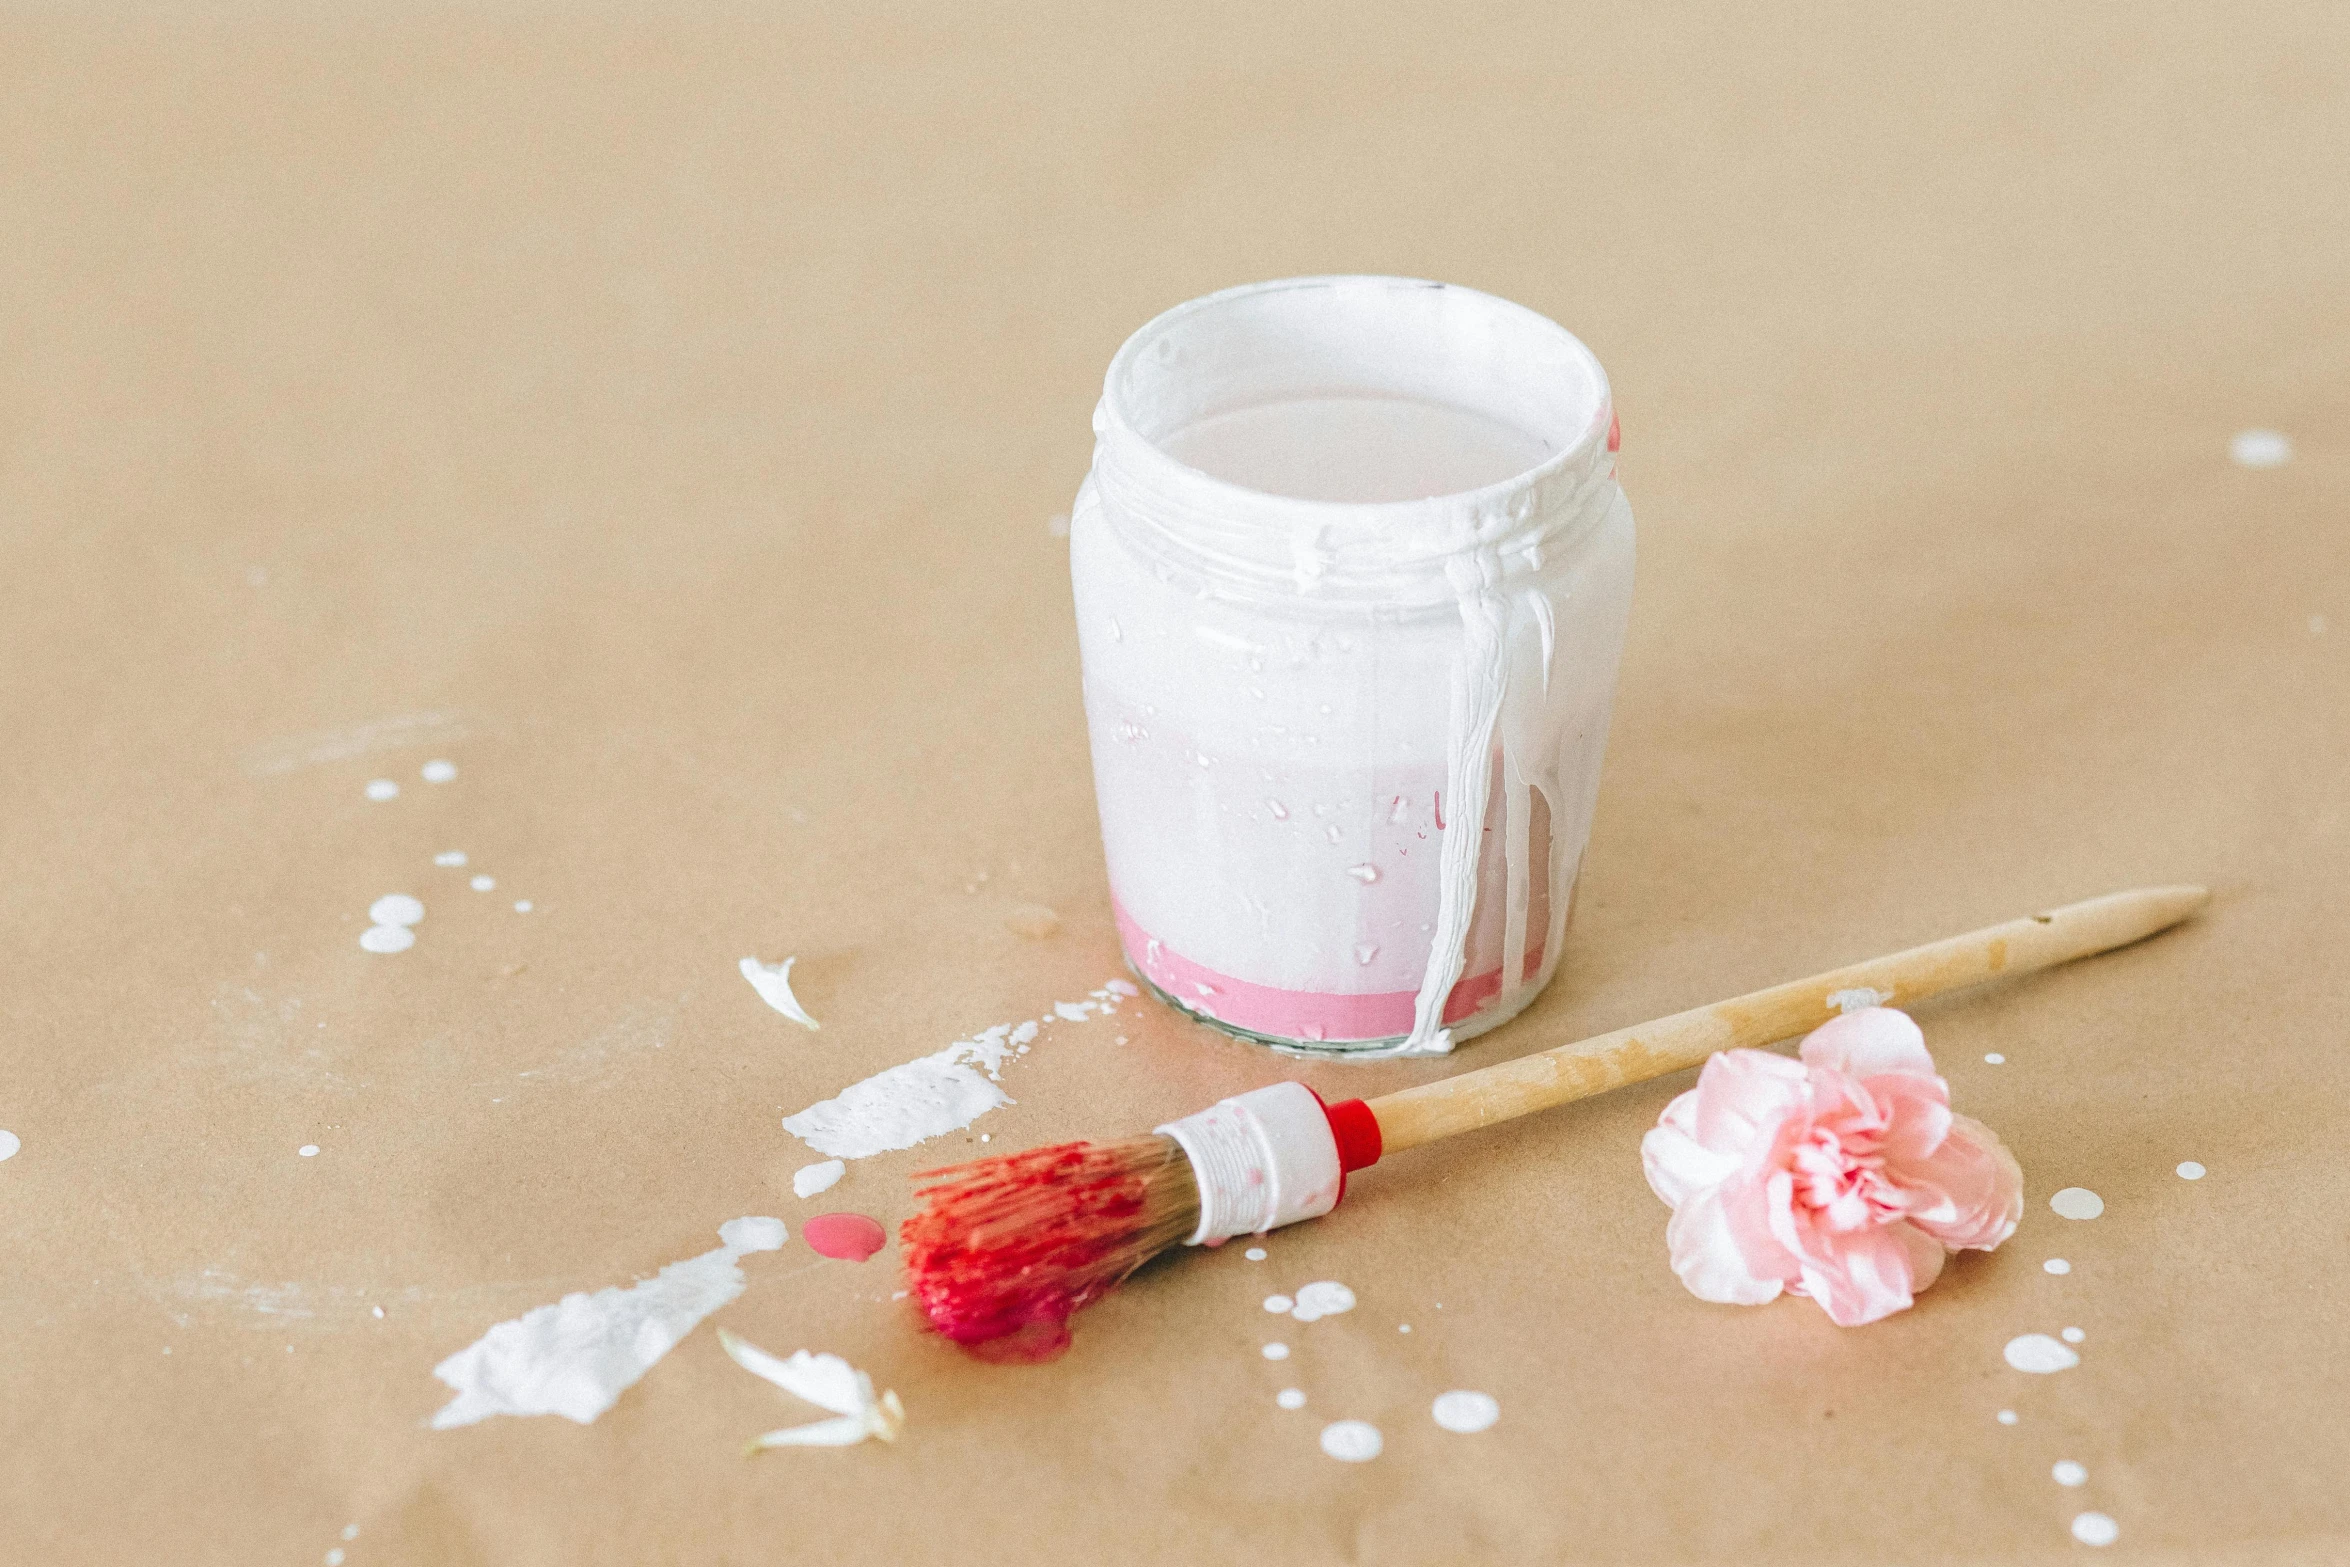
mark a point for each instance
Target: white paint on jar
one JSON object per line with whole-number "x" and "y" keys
{"x": 2077, "y": 1202}
{"x": 1352, "y": 1441}
{"x": 1465, "y": 1411}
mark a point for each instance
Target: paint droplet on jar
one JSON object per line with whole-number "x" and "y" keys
{"x": 1366, "y": 874}
{"x": 1276, "y": 1351}
{"x": 845, "y": 1237}
{"x": 1278, "y": 1304}
{"x": 2074, "y": 1335}
{"x": 2077, "y": 1202}
{"x": 1352, "y": 1441}
{"x": 382, "y": 789}
{"x": 1291, "y": 1398}
{"x": 1280, "y": 811}
{"x": 1465, "y": 1411}
{"x": 1995, "y": 1058}
{"x": 2191, "y": 1171}
{"x": 1365, "y": 954}
{"x": 484, "y": 884}
{"x": 1255, "y": 1254}
{"x": 2096, "y": 1529}
{"x": 10, "y": 1144}
{"x": 2056, "y": 1265}
{"x": 2261, "y": 449}
{"x": 1334, "y": 832}
{"x": 2039, "y": 1354}
{"x": 308, "y": 1150}
{"x": 387, "y": 938}
{"x": 438, "y": 771}
{"x": 2007, "y": 1417}
{"x": 395, "y": 908}
{"x": 2067, "y": 1472}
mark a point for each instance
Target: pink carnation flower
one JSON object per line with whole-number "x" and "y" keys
{"x": 1844, "y": 1175}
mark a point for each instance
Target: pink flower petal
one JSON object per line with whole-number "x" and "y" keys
{"x": 1868, "y": 1042}
{"x": 1704, "y": 1241}
{"x": 1918, "y": 1116}
{"x": 1741, "y": 1098}
{"x": 1675, "y": 1162}
{"x": 1868, "y": 1278}
{"x": 1970, "y": 1193}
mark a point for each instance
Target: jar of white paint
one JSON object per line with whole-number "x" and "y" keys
{"x": 1352, "y": 572}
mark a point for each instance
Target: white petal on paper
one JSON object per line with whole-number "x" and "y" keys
{"x": 773, "y": 983}
{"x": 828, "y": 1382}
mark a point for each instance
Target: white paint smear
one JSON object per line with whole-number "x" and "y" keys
{"x": 2077, "y": 1202}
{"x": 1855, "y": 999}
{"x": 828, "y": 1382}
{"x": 387, "y": 938}
{"x": 576, "y": 1357}
{"x": 1352, "y": 1441}
{"x": 9, "y": 1144}
{"x": 935, "y": 1094}
{"x": 2096, "y": 1529}
{"x": 395, "y": 908}
{"x": 1465, "y": 1411}
{"x": 484, "y": 884}
{"x": 1322, "y": 1299}
{"x": 2191, "y": 1171}
{"x": 810, "y": 1179}
{"x": 2038, "y": 1353}
{"x": 773, "y": 983}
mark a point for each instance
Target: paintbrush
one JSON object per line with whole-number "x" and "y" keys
{"x": 1002, "y": 1251}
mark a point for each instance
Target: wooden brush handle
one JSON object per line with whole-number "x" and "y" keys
{"x": 1632, "y": 1055}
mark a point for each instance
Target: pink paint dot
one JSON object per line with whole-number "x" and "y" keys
{"x": 849, "y": 1236}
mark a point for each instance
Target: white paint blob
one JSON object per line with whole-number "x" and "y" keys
{"x": 1994, "y": 1058}
{"x": 308, "y": 1150}
{"x": 2067, "y": 1472}
{"x": 2038, "y": 1353}
{"x": 1255, "y": 1254}
{"x": 1858, "y": 997}
{"x": 1277, "y": 1304}
{"x": 2056, "y": 1265}
{"x": 576, "y": 1357}
{"x": 1291, "y": 1398}
{"x": 2191, "y": 1171}
{"x": 350, "y": 1531}
{"x": 483, "y": 884}
{"x": 1276, "y": 1351}
{"x": 773, "y": 983}
{"x": 810, "y": 1179}
{"x": 2096, "y": 1529}
{"x": 9, "y": 1144}
{"x": 1352, "y": 1441}
{"x": 382, "y": 789}
{"x": 522, "y": 906}
{"x": 395, "y": 908}
{"x": 387, "y": 938}
{"x": 1465, "y": 1411}
{"x": 1322, "y": 1299}
{"x": 334, "y": 1556}
{"x": 935, "y": 1094}
{"x": 828, "y": 1382}
{"x": 2077, "y": 1202}
{"x": 449, "y": 857}
{"x": 2261, "y": 449}
{"x": 437, "y": 771}
{"x": 2074, "y": 1335}
{"x": 2007, "y": 1417}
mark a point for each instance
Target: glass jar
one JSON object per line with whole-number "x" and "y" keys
{"x": 1352, "y": 572}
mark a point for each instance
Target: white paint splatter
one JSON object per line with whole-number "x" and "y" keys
{"x": 1352, "y": 1441}
{"x": 828, "y": 1382}
{"x": 2261, "y": 449}
{"x": 2077, "y": 1202}
{"x": 522, "y": 906}
{"x": 1255, "y": 1254}
{"x": 1465, "y": 1411}
{"x": 438, "y": 771}
{"x": 1291, "y": 1398}
{"x": 1278, "y": 1304}
{"x": 1276, "y": 1351}
{"x": 395, "y": 908}
{"x": 350, "y": 1532}
{"x": 576, "y": 1357}
{"x": 2056, "y": 1265}
{"x": 2073, "y": 1335}
{"x": 1322, "y": 1299}
{"x": 810, "y": 1179}
{"x": 2040, "y": 1354}
{"x": 308, "y": 1150}
{"x": 1994, "y": 1058}
{"x": 1859, "y": 996}
{"x": 9, "y": 1144}
{"x": 928, "y": 1096}
{"x": 387, "y": 938}
{"x": 773, "y": 983}
{"x": 334, "y": 1556}
{"x": 483, "y": 884}
{"x": 2191, "y": 1171}
{"x": 449, "y": 857}
{"x": 2067, "y": 1472}
{"x": 2007, "y": 1417}
{"x": 382, "y": 789}
{"x": 2096, "y": 1529}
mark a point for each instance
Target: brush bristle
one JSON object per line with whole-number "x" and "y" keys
{"x": 1003, "y": 1251}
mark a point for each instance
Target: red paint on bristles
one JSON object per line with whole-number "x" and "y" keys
{"x": 1003, "y": 1251}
